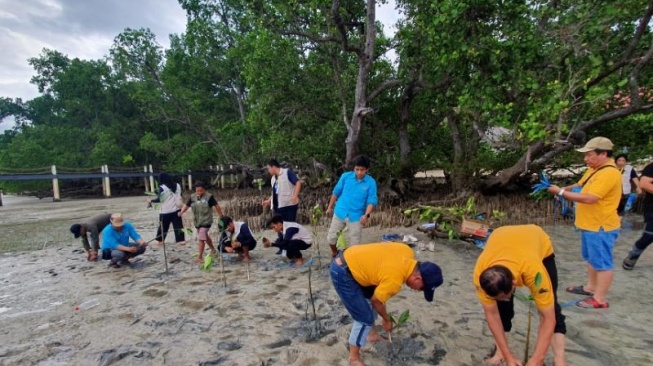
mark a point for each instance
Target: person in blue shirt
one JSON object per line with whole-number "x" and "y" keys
{"x": 354, "y": 197}
{"x": 116, "y": 246}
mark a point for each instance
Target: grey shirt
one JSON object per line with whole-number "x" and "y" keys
{"x": 94, "y": 227}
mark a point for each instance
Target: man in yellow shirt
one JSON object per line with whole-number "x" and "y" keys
{"x": 367, "y": 276}
{"x": 516, "y": 256}
{"x": 597, "y": 219}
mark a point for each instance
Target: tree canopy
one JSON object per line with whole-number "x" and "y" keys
{"x": 489, "y": 91}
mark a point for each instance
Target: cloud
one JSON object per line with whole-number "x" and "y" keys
{"x": 78, "y": 28}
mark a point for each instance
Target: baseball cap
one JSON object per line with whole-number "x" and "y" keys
{"x": 76, "y": 230}
{"x": 432, "y": 277}
{"x": 117, "y": 220}
{"x": 597, "y": 143}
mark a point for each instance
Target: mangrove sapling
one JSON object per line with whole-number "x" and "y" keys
{"x": 316, "y": 215}
{"x": 165, "y": 255}
{"x": 397, "y": 322}
{"x": 530, "y": 300}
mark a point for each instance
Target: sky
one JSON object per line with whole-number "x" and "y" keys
{"x": 85, "y": 29}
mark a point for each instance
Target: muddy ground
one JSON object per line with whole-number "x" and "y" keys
{"x": 186, "y": 316}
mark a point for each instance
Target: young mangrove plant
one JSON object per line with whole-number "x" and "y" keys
{"x": 530, "y": 300}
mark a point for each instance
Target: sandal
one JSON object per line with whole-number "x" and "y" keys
{"x": 591, "y": 303}
{"x": 578, "y": 290}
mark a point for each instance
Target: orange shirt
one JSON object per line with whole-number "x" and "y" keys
{"x": 606, "y": 185}
{"x": 384, "y": 265}
{"x": 521, "y": 249}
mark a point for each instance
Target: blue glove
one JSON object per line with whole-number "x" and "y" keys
{"x": 543, "y": 185}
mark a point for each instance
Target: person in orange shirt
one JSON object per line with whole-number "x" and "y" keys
{"x": 597, "y": 219}
{"x": 516, "y": 256}
{"x": 367, "y": 276}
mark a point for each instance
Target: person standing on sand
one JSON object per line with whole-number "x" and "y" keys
{"x": 597, "y": 219}
{"x": 236, "y": 237}
{"x": 367, "y": 276}
{"x": 115, "y": 242}
{"x": 515, "y": 256}
{"x": 93, "y": 227}
{"x": 646, "y": 184}
{"x": 169, "y": 196}
{"x": 292, "y": 237}
{"x": 203, "y": 204}
{"x": 285, "y": 191}
{"x": 354, "y": 197}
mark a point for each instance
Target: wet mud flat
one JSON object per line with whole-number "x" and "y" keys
{"x": 146, "y": 316}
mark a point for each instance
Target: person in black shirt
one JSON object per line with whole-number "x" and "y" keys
{"x": 646, "y": 184}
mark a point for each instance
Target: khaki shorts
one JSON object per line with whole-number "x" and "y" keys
{"x": 354, "y": 231}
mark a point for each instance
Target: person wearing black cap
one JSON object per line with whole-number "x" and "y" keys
{"x": 367, "y": 276}
{"x": 92, "y": 228}
{"x": 515, "y": 256}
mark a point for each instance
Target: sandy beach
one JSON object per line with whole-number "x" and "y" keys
{"x": 146, "y": 316}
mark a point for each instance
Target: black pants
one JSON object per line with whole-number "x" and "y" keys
{"x": 177, "y": 225}
{"x": 288, "y": 213}
{"x": 507, "y": 308}
{"x": 647, "y": 236}
{"x": 292, "y": 247}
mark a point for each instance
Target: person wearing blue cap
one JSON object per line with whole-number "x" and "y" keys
{"x": 515, "y": 256}
{"x": 367, "y": 276}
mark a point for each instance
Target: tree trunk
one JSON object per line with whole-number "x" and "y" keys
{"x": 404, "y": 116}
{"x": 365, "y": 58}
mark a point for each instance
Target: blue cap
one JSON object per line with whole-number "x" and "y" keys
{"x": 432, "y": 277}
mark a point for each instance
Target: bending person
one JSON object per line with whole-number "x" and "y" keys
{"x": 292, "y": 237}
{"x": 516, "y": 256}
{"x": 91, "y": 229}
{"x": 236, "y": 237}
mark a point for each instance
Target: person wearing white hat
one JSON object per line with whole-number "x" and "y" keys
{"x": 116, "y": 246}
{"x": 597, "y": 219}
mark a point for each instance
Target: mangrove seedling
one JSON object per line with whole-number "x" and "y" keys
{"x": 530, "y": 300}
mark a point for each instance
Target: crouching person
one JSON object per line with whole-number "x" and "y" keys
{"x": 116, "y": 246}
{"x": 236, "y": 237}
{"x": 292, "y": 237}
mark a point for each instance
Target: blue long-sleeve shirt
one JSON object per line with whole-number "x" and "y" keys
{"x": 354, "y": 195}
{"x": 112, "y": 238}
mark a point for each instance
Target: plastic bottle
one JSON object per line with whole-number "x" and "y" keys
{"x": 87, "y": 305}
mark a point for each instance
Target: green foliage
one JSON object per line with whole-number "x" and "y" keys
{"x": 401, "y": 320}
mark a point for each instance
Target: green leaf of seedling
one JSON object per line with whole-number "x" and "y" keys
{"x": 521, "y": 297}
{"x": 403, "y": 318}
{"x": 538, "y": 279}
{"x": 342, "y": 240}
{"x": 408, "y": 212}
{"x": 208, "y": 263}
{"x": 187, "y": 231}
{"x": 393, "y": 320}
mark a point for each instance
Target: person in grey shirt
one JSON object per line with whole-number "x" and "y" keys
{"x": 91, "y": 227}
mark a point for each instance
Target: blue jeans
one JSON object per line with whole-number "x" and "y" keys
{"x": 360, "y": 309}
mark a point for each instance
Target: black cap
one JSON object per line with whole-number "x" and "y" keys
{"x": 432, "y": 277}
{"x": 76, "y": 229}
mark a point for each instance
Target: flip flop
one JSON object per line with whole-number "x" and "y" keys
{"x": 308, "y": 263}
{"x": 591, "y": 303}
{"x": 578, "y": 290}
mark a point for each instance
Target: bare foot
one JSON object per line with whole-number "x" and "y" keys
{"x": 374, "y": 338}
{"x": 356, "y": 362}
{"x": 199, "y": 260}
{"x": 494, "y": 358}
{"x": 299, "y": 262}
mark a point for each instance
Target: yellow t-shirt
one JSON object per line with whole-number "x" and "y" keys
{"x": 606, "y": 185}
{"x": 521, "y": 249}
{"x": 384, "y": 265}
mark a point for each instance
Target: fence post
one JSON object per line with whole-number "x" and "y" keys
{"x": 104, "y": 185}
{"x": 107, "y": 183}
{"x": 55, "y": 185}
{"x": 190, "y": 181}
{"x": 231, "y": 176}
{"x": 147, "y": 187}
{"x": 222, "y": 176}
{"x": 151, "y": 179}
{"x": 1, "y": 197}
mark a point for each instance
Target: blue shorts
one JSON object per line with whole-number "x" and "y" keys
{"x": 596, "y": 248}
